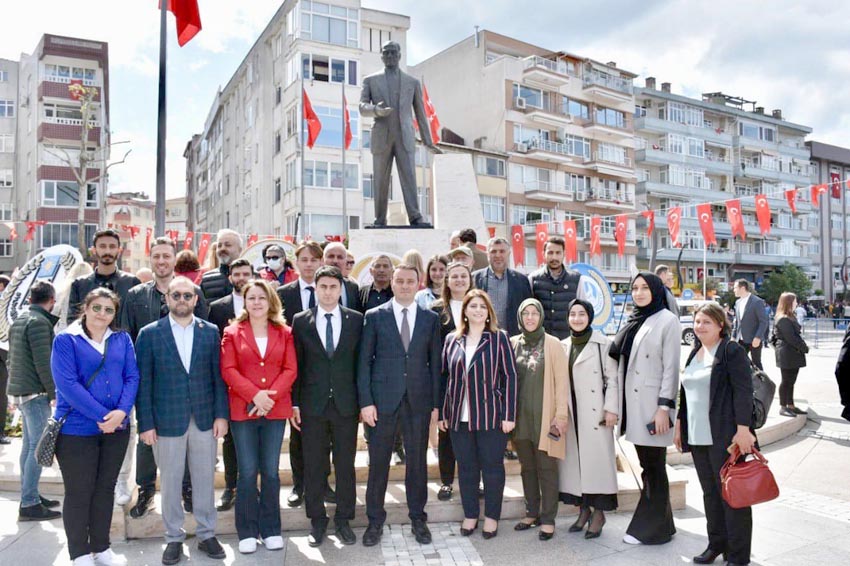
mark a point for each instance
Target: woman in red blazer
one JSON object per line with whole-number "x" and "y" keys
{"x": 258, "y": 364}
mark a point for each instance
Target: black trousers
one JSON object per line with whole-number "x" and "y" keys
{"x": 296, "y": 459}
{"x": 480, "y": 456}
{"x": 90, "y": 466}
{"x": 231, "y": 464}
{"x": 446, "y": 456}
{"x": 786, "y": 386}
{"x": 319, "y": 433}
{"x": 4, "y": 400}
{"x": 729, "y": 530}
{"x": 146, "y": 470}
{"x": 652, "y": 522}
{"x": 414, "y": 426}
{"x": 755, "y": 353}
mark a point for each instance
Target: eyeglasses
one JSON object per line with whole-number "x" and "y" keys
{"x": 99, "y": 308}
{"x": 270, "y": 257}
{"x": 349, "y": 262}
{"x": 185, "y": 296}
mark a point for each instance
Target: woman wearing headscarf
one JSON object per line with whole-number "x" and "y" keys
{"x": 542, "y": 393}
{"x": 648, "y": 351}
{"x": 588, "y": 474}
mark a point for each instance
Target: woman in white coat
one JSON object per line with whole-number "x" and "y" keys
{"x": 588, "y": 474}
{"x": 648, "y": 349}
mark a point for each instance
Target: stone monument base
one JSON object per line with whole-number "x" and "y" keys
{"x": 398, "y": 239}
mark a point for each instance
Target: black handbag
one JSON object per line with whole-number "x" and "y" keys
{"x": 45, "y": 450}
{"x": 763, "y": 391}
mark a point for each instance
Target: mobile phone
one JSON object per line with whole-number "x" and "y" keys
{"x": 251, "y": 407}
{"x": 651, "y": 426}
{"x": 554, "y": 433}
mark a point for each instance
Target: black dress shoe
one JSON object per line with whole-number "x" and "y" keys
{"x": 708, "y": 556}
{"x": 445, "y": 492}
{"x": 212, "y": 548}
{"x": 522, "y": 526}
{"x": 49, "y": 503}
{"x": 543, "y": 535}
{"x": 317, "y": 535}
{"x": 468, "y": 532}
{"x": 142, "y": 504}
{"x": 421, "y": 531}
{"x": 296, "y": 497}
{"x": 228, "y": 499}
{"x": 37, "y": 512}
{"x": 330, "y": 495}
{"x": 798, "y": 411}
{"x": 5, "y": 439}
{"x": 487, "y": 535}
{"x": 173, "y": 553}
{"x": 510, "y": 455}
{"x": 399, "y": 452}
{"x": 786, "y": 412}
{"x": 373, "y": 533}
{"x": 345, "y": 534}
{"x": 187, "y": 502}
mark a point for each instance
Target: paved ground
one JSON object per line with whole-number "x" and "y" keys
{"x": 808, "y": 524}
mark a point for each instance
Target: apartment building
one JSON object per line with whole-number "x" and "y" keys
{"x": 558, "y": 128}
{"x": 8, "y": 131}
{"x": 714, "y": 149}
{"x": 244, "y": 169}
{"x": 176, "y": 215}
{"x": 131, "y": 209}
{"x": 831, "y": 166}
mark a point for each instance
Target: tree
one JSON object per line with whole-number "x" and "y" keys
{"x": 787, "y": 278}
{"x": 87, "y": 158}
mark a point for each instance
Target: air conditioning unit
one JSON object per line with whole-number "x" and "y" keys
{"x": 648, "y": 103}
{"x": 522, "y": 147}
{"x": 519, "y": 102}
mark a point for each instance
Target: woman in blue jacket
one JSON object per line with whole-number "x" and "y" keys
{"x": 94, "y": 367}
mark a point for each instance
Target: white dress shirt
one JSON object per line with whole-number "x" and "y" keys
{"x": 305, "y": 294}
{"x": 99, "y": 346}
{"x": 322, "y": 324}
{"x": 740, "y": 307}
{"x": 184, "y": 338}
{"x": 262, "y": 344}
{"x": 411, "y": 315}
{"x": 238, "y": 303}
{"x": 456, "y": 307}
{"x": 464, "y": 410}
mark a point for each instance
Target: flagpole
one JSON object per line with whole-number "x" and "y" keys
{"x": 704, "y": 270}
{"x": 161, "y": 123}
{"x": 303, "y": 147}
{"x": 344, "y": 208}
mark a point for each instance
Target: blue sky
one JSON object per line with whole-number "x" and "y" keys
{"x": 784, "y": 54}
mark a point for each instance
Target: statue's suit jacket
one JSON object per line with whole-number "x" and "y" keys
{"x": 375, "y": 90}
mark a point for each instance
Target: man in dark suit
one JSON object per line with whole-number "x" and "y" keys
{"x": 336, "y": 255}
{"x": 222, "y": 311}
{"x": 296, "y": 297}
{"x": 182, "y": 410}
{"x": 507, "y": 288}
{"x": 327, "y": 342}
{"x": 751, "y": 321}
{"x": 398, "y": 380}
{"x": 379, "y": 291}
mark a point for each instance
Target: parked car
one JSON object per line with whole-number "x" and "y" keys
{"x": 686, "y": 318}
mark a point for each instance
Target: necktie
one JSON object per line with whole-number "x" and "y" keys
{"x": 405, "y": 330}
{"x": 312, "y": 302}
{"x": 329, "y": 335}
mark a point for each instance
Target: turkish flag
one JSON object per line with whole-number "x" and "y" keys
{"x": 817, "y": 191}
{"x": 252, "y": 239}
{"x": 791, "y": 196}
{"x": 289, "y": 238}
{"x": 13, "y": 234}
{"x": 620, "y": 229}
{"x": 518, "y": 244}
{"x": 763, "y": 214}
{"x": 348, "y": 135}
{"x": 835, "y": 182}
{"x": 31, "y": 226}
{"x": 706, "y": 223}
{"x": 314, "y": 126}
{"x": 650, "y": 218}
{"x": 148, "y": 233}
{"x": 431, "y": 114}
{"x": 736, "y": 221}
{"x": 172, "y": 235}
{"x": 492, "y": 231}
{"x": 595, "y": 229}
{"x": 76, "y": 89}
{"x": 571, "y": 241}
{"x": 187, "y": 243}
{"x": 188, "y": 18}
{"x": 541, "y": 232}
{"x": 674, "y": 219}
{"x": 204, "y": 247}
{"x": 133, "y": 230}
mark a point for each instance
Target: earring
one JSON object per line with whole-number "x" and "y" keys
{"x": 465, "y": 319}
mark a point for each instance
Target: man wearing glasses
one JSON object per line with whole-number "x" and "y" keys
{"x": 146, "y": 303}
{"x": 337, "y": 256}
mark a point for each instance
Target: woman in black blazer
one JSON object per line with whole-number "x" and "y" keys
{"x": 716, "y": 410}
{"x": 456, "y": 283}
{"x": 790, "y": 349}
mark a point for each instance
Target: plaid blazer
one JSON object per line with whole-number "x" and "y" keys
{"x": 168, "y": 395}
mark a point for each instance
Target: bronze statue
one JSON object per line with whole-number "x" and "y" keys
{"x": 387, "y": 97}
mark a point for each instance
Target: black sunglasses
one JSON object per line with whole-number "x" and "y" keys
{"x": 185, "y": 296}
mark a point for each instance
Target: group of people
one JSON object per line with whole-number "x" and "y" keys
{"x": 483, "y": 356}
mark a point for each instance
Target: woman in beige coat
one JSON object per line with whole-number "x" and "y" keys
{"x": 542, "y": 394}
{"x": 588, "y": 474}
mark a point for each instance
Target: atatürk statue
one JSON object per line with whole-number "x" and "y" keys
{"x": 387, "y": 97}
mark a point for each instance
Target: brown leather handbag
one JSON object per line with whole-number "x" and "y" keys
{"x": 747, "y": 482}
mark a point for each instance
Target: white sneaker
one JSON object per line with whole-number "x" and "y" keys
{"x": 109, "y": 558}
{"x": 248, "y": 545}
{"x": 84, "y": 560}
{"x": 273, "y": 543}
{"x": 122, "y": 493}
{"x": 629, "y": 539}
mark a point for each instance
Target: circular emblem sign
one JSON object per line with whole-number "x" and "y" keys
{"x": 596, "y": 291}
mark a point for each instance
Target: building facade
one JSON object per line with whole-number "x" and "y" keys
{"x": 8, "y": 165}
{"x": 131, "y": 209}
{"x": 559, "y": 130}
{"x": 712, "y": 150}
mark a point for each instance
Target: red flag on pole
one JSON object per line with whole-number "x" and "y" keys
{"x": 289, "y": 238}
{"x": 620, "y": 230}
{"x": 133, "y": 230}
{"x": 148, "y": 233}
{"x": 571, "y": 240}
{"x": 431, "y": 114}
{"x": 817, "y": 191}
{"x": 650, "y": 218}
{"x": 252, "y": 239}
{"x": 736, "y": 221}
{"x": 172, "y": 235}
{"x": 763, "y": 214}
{"x": 188, "y": 18}
{"x": 314, "y": 125}
{"x": 31, "y": 226}
{"x": 674, "y": 219}
{"x": 187, "y": 243}
{"x": 204, "y": 247}
{"x": 791, "y": 196}
{"x": 348, "y": 135}
{"x": 595, "y": 229}
{"x": 13, "y": 234}
{"x": 835, "y": 182}
{"x": 706, "y": 223}
{"x": 541, "y": 232}
{"x": 518, "y": 244}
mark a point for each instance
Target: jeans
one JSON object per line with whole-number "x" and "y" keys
{"x": 258, "y": 444}
{"x": 35, "y": 412}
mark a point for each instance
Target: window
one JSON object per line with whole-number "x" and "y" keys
{"x": 696, "y": 147}
{"x": 6, "y": 248}
{"x": 529, "y": 215}
{"x": 292, "y": 121}
{"x": 610, "y": 117}
{"x": 533, "y": 96}
{"x": 611, "y": 153}
{"x": 6, "y": 209}
{"x": 53, "y": 234}
{"x": 640, "y": 111}
{"x": 756, "y": 132}
{"x": 323, "y": 69}
{"x": 493, "y": 208}
{"x": 491, "y": 166}
{"x": 277, "y": 191}
{"x": 684, "y": 114}
{"x": 7, "y": 143}
{"x": 291, "y": 178}
{"x": 330, "y": 24}
{"x": 676, "y": 143}
{"x": 63, "y": 73}
{"x": 367, "y": 186}
{"x": 7, "y": 178}
{"x": 277, "y": 142}
{"x": 367, "y": 138}
{"x": 320, "y": 225}
{"x": 331, "y": 134}
{"x": 324, "y": 175}
{"x": 576, "y": 145}
{"x": 576, "y": 108}
{"x": 7, "y": 108}
{"x": 66, "y": 193}
{"x": 423, "y": 197}
{"x": 4, "y": 76}
{"x": 278, "y": 95}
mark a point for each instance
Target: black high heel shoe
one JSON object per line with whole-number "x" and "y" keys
{"x": 468, "y": 532}
{"x": 581, "y": 521}
{"x": 543, "y": 535}
{"x": 591, "y": 533}
{"x": 708, "y": 556}
{"x": 523, "y": 526}
{"x": 487, "y": 535}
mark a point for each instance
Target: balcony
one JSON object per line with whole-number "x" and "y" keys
{"x": 605, "y": 162}
{"x": 554, "y": 152}
{"x": 66, "y": 129}
{"x": 609, "y": 199}
{"x": 57, "y": 87}
{"x": 786, "y": 171}
{"x": 546, "y": 71}
{"x": 544, "y": 190}
{"x": 785, "y": 146}
{"x": 549, "y": 114}
{"x": 659, "y": 126}
{"x": 749, "y": 258}
{"x": 618, "y": 132}
{"x": 605, "y": 86}
{"x": 711, "y": 163}
{"x": 667, "y": 255}
{"x": 656, "y": 188}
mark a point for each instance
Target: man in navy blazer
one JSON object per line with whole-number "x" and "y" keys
{"x": 182, "y": 410}
{"x": 398, "y": 381}
{"x": 751, "y": 321}
{"x": 507, "y": 288}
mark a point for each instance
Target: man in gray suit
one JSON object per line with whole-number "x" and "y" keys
{"x": 751, "y": 322}
{"x": 387, "y": 97}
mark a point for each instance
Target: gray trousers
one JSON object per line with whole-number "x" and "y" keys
{"x": 382, "y": 164}
{"x": 171, "y": 453}
{"x": 539, "y": 481}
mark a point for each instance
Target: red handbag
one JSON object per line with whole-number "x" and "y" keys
{"x": 747, "y": 482}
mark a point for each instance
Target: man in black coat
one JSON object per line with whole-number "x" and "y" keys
{"x": 507, "y": 288}
{"x": 842, "y": 375}
{"x": 215, "y": 283}
{"x": 336, "y": 255}
{"x": 555, "y": 287}
{"x": 379, "y": 291}
{"x": 751, "y": 322}
{"x": 324, "y": 398}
